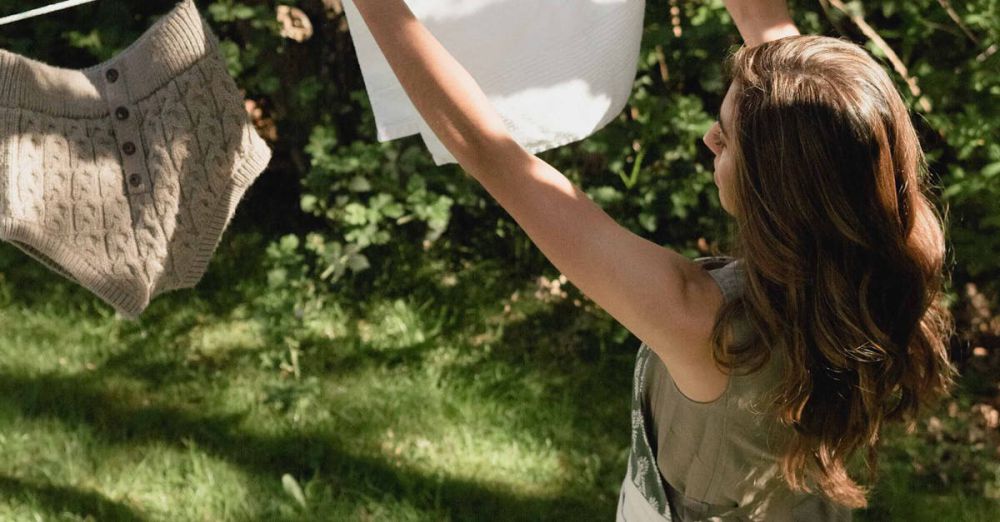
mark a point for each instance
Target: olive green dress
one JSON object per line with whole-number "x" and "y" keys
{"x": 716, "y": 460}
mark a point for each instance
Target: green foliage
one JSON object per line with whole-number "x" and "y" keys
{"x": 227, "y": 11}
{"x": 956, "y": 66}
{"x": 648, "y": 168}
{"x": 375, "y": 301}
{"x": 367, "y": 193}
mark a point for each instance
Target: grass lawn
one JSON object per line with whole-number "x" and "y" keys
{"x": 438, "y": 399}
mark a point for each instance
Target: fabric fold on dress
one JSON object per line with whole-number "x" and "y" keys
{"x": 711, "y": 461}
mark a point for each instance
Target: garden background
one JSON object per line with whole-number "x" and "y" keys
{"x": 376, "y": 339}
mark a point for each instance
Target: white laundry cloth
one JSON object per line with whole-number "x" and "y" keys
{"x": 556, "y": 71}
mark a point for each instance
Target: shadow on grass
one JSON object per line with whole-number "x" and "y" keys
{"x": 118, "y": 418}
{"x": 81, "y": 400}
{"x": 59, "y": 500}
{"x": 581, "y": 377}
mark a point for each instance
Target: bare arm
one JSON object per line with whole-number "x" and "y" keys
{"x": 663, "y": 298}
{"x": 761, "y": 21}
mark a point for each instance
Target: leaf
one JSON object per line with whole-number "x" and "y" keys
{"x": 90, "y": 41}
{"x": 393, "y": 210}
{"x": 292, "y": 488}
{"x": 243, "y": 12}
{"x": 289, "y": 242}
{"x": 952, "y": 191}
{"x": 605, "y": 195}
{"x": 309, "y": 202}
{"x": 355, "y": 214}
{"x": 991, "y": 170}
{"x": 277, "y": 277}
{"x": 359, "y": 184}
{"x": 358, "y": 262}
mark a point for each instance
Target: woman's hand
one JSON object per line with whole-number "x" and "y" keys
{"x": 761, "y": 21}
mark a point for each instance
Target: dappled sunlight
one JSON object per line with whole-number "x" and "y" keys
{"x": 490, "y": 458}
{"x": 217, "y": 338}
{"x": 134, "y": 482}
{"x": 377, "y": 337}
{"x": 200, "y": 413}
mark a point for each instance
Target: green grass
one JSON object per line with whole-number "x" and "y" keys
{"x": 425, "y": 401}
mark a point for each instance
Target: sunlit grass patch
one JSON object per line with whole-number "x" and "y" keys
{"x": 215, "y": 338}
{"x": 479, "y": 399}
{"x": 491, "y": 459}
{"x": 54, "y": 466}
{"x": 45, "y": 341}
{"x": 398, "y": 324}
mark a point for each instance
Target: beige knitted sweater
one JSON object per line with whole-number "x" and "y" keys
{"x": 123, "y": 176}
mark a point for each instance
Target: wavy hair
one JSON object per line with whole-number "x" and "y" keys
{"x": 843, "y": 254}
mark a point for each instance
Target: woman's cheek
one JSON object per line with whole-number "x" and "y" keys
{"x": 723, "y": 179}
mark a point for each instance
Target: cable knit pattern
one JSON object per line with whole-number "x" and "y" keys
{"x": 124, "y": 176}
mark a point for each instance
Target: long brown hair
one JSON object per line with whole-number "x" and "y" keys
{"x": 843, "y": 254}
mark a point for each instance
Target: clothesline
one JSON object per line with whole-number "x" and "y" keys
{"x": 43, "y": 10}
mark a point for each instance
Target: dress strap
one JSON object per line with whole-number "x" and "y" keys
{"x": 727, "y": 272}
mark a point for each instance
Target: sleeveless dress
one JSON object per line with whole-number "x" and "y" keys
{"x": 717, "y": 460}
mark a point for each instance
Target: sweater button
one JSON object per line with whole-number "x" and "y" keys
{"x": 121, "y": 113}
{"x": 135, "y": 180}
{"x": 111, "y": 75}
{"x": 128, "y": 148}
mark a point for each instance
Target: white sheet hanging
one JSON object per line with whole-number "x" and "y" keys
{"x": 556, "y": 71}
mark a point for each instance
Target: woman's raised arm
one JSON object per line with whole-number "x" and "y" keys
{"x": 761, "y": 21}
{"x": 663, "y": 298}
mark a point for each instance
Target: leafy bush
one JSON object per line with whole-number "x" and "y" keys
{"x": 345, "y": 216}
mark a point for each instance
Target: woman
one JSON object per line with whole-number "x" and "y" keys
{"x": 770, "y": 371}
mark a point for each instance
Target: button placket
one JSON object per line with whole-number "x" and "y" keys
{"x": 126, "y": 128}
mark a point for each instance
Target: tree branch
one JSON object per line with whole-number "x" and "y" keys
{"x": 954, "y": 16}
{"x": 897, "y": 64}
